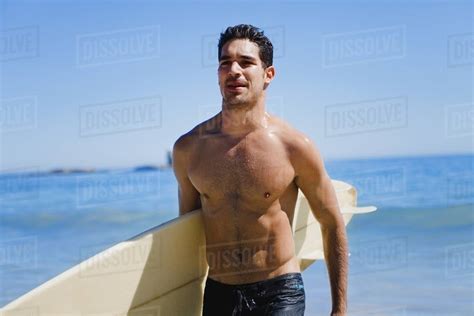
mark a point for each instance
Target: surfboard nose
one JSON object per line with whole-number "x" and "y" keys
{"x": 358, "y": 209}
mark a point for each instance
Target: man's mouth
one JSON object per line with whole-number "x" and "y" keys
{"x": 235, "y": 85}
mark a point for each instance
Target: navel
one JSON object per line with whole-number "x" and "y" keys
{"x": 267, "y": 195}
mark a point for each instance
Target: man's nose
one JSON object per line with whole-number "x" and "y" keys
{"x": 235, "y": 68}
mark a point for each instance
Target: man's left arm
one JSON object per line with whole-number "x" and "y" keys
{"x": 315, "y": 183}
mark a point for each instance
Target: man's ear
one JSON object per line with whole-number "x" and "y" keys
{"x": 269, "y": 75}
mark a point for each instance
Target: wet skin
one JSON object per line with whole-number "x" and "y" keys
{"x": 247, "y": 193}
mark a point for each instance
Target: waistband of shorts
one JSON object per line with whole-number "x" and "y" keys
{"x": 260, "y": 284}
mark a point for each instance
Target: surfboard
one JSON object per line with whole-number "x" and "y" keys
{"x": 161, "y": 271}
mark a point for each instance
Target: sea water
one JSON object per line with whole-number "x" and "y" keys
{"x": 414, "y": 256}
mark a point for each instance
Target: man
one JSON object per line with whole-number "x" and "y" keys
{"x": 243, "y": 167}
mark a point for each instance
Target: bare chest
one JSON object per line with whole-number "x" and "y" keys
{"x": 253, "y": 170}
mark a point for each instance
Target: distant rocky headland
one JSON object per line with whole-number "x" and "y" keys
{"x": 77, "y": 171}
{"x": 142, "y": 168}
{"x": 72, "y": 171}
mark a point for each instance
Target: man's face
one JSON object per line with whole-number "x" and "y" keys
{"x": 242, "y": 77}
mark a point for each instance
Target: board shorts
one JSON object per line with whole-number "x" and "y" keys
{"x": 278, "y": 296}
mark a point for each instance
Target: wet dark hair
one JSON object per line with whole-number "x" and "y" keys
{"x": 252, "y": 33}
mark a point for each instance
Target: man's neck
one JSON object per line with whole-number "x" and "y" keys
{"x": 241, "y": 120}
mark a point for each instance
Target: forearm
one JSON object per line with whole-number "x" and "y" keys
{"x": 336, "y": 256}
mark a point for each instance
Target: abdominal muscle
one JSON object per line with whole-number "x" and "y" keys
{"x": 247, "y": 246}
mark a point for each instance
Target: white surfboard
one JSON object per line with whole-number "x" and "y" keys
{"x": 162, "y": 271}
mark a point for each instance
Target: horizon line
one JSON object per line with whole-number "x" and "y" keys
{"x": 159, "y": 166}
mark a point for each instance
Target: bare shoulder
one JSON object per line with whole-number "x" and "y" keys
{"x": 301, "y": 149}
{"x": 295, "y": 141}
{"x": 185, "y": 144}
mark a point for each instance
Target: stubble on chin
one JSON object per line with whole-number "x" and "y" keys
{"x": 234, "y": 101}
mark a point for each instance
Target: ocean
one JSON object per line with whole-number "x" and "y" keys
{"x": 413, "y": 256}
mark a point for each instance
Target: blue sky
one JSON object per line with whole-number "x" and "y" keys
{"x": 361, "y": 78}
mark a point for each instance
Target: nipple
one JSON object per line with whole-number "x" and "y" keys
{"x": 267, "y": 195}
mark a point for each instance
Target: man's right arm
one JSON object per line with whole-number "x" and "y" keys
{"x": 189, "y": 197}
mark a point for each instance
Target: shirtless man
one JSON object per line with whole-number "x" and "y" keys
{"x": 243, "y": 167}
